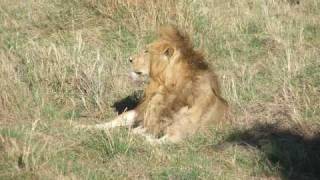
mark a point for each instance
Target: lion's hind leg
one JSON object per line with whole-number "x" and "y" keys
{"x": 166, "y": 139}
{"x": 140, "y": 130}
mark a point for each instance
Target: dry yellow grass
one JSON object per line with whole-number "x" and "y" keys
{"x": 64, "y": 61}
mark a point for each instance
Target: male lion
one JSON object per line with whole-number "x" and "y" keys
{"x": 182, "y": 95}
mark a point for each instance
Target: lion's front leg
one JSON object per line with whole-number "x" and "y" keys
{"x": 125, "y": 119}
{"x": 153, "y": 117}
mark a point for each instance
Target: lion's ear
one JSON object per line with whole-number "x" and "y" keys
{"x": 168, "y": 51}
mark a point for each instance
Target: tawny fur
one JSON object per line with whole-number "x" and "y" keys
{"x": 183, "y": 93}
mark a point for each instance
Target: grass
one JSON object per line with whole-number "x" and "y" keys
{"x": 66, "y": 61}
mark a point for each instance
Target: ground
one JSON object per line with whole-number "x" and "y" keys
{"x": 66, "y": 61}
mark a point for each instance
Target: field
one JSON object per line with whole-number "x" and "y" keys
{"x": 66, "y": 61}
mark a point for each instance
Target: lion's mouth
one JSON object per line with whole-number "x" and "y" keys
{"x": 138, "y": 73}
{"x": 138, "y": 77}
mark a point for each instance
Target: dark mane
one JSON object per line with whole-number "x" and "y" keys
{"x": 182, "y": 42}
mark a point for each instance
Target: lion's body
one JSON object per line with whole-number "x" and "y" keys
{"x": 183, "y": 93}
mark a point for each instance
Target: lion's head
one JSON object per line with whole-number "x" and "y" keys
{"x": 165, "y": 58}
{"x": 152, "y": 61}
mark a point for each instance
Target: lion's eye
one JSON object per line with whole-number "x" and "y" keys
{"x": 145, "y": 51}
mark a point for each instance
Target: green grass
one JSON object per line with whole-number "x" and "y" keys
{"x": 66, "y": 61}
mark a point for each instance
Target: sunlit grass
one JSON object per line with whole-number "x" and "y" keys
{"x": 66, "y": 61}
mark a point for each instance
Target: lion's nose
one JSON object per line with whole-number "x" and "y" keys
{"x": 130, "y": 59}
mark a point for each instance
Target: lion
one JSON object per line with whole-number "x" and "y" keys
{"x": 182, "y": 95}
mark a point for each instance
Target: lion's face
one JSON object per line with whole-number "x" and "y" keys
{"x": 151, "y": 61}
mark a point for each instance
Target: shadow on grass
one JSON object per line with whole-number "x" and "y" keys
{"x": 297, "y": 155}
{"x": 128, "y": 103}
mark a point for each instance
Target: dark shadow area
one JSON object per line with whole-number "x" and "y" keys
{"x": 297, "y": 154}
{"x": 128, "y": 103}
